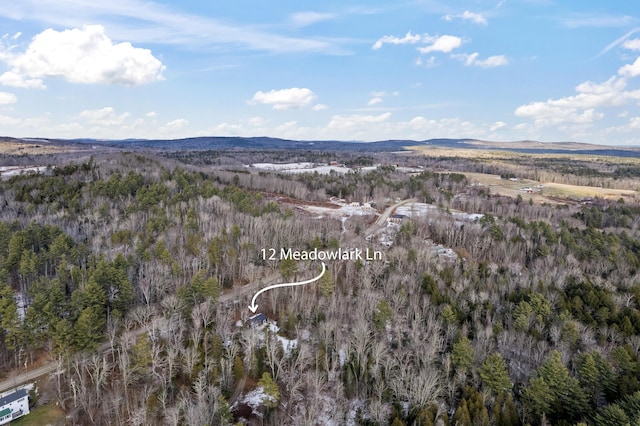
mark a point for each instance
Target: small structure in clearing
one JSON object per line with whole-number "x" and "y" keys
{"x": 257, "y": 319}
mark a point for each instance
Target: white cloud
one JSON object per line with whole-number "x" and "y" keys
{"x": 618, "y": 41}
{"x": 176, "y": 124}
{"x": 374, "y": 101}
{"x": 407, "y": 39}
{"x": 287, "y": 127}
{"x": 356, "y": 122}
{"x": 630, "y": 70}
{"x": 476, "y": 18}
{"x": 362, "y": 127}
{"x": 497, "y": 125}
{"x": 151, "y": 114}
{"x": 7, "y": 98}
{"x": 599, "y": 20}
{"x": 104, "y": 117}
{"x": 580, "y": 108}
{"x": 257, "y": 121}
{"x": 303, "y": 19}
{"x": 632, "y": 44}
{"x": 630, "y": 126}
{"x": 13, "y": 79}
{"x": 224, "y": 129}
{"x": 144, "y": 21}
{"x": 490, "y": 62}
{"x": 423, "y": 128}
{"x": 285, "y": 98}
{"x": 84, "y": 55}
{"x": 432, "y": 62}
{"x": 445, "y": 44}
{"x": 8, "y": 121}
{"x": 320, "y": 107}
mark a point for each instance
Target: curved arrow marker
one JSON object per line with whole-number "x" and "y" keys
{"x": 253, "y": 307}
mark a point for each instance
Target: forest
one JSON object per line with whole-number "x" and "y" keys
{"x": 132, "y": 273}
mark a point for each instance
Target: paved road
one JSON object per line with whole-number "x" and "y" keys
{"x": 237, "y": 294}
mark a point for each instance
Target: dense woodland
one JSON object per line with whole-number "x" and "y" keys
{"x": 128, "y": 266}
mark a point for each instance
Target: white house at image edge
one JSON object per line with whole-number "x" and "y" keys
{"x": 14, "y": 405}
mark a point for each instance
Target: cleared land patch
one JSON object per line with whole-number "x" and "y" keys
{"x": 543, "y": 192}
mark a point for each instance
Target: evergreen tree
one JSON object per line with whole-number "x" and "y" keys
{"x": 494, "y": 375}
{"x": 462, "y": 354}
{"x": 461, "y": 417}
{"x": 612, "y": 415}
{"x": 554, "y": 393}
{"x": 88, "y": 328}
{"x": 271, "y": 390}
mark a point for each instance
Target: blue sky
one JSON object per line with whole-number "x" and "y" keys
{"x": 498, "y": 70}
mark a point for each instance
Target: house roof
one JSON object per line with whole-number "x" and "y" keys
{"x": 8, "y": 399}
{"x": 258, "y": 318}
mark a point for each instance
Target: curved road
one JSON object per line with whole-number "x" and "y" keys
{"x": 380, "y": 222}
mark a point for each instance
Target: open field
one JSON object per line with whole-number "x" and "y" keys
{"x": 48, "y": 414}
{"x": 550, "y": 192}
{"x": 13, "y": 147}
{"x": 499, "y": 155}
{"x": 557, "y": 187}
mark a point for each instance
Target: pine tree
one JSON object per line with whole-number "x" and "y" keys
{"x": 555, "y": 393}
{"x": 88, "y": 328}
{"x": 612, "y": 415}
{"x": 326, "y": 285}
{"x": 461, "y": 417}
{"x": 462, "y": 354}
{"x": 494, "y": 375}
{"x": 271, "y": 390}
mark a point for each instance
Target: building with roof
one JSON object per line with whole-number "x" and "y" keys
{"x": 397, "y": 218}
{"x": 14, "y": 405}
{"x": 257, "y": 319}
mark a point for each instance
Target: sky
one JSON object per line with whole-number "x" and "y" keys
{"x": 501, "y": 70}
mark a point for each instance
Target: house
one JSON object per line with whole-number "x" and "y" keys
{"x": 397, "y": 218}
{"x": 13, "y": 405}
{"x": 257, "y": 319}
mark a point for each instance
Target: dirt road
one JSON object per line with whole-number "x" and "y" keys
{"x": 382, "y": 219}
{"x": 235, "y": 295}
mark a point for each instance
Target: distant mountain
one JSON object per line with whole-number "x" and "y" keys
{"x": 261, "y": 143}
{"x": 267, "y": 143}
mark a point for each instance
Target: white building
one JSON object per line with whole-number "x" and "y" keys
{"x": 14, "y": 405}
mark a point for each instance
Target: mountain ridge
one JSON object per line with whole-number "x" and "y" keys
{"x": 266, "y": 143}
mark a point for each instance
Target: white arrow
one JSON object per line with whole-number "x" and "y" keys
{"x": 253, "y": 307}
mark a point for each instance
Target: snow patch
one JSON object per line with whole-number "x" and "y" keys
{"x": 255, "y": 399}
